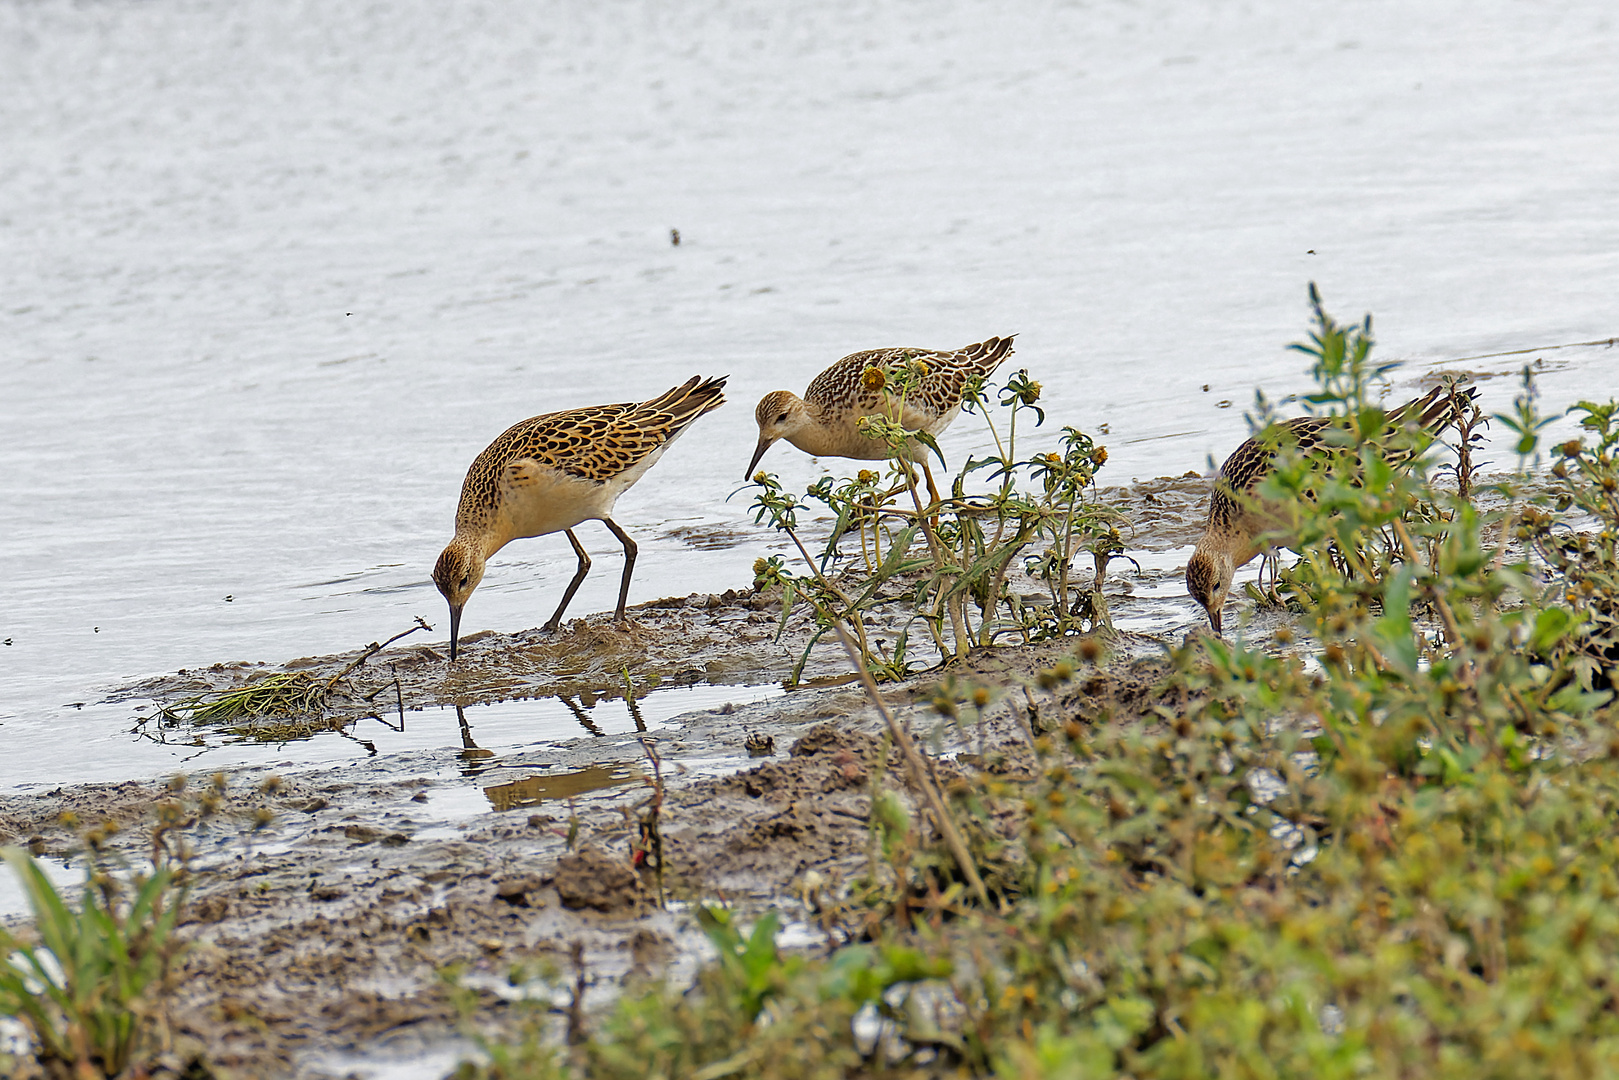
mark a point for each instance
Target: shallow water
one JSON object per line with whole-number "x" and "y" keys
{"x": 272, "y": 274}
{"x": 506, "y": 733}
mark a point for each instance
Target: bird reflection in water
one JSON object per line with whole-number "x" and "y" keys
{"x": 534, "y": 790}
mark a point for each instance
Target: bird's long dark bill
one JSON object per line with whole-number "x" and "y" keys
{"x": 455, "y": 630}
{"x": 758, "y": 452}
{"x": 1214, "y": 620}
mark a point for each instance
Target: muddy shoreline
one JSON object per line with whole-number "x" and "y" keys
{"x": 317, "y": 939}
{"x": 328, "y": 899}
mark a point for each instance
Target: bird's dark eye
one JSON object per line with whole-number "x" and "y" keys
{"x": 782, "y": 419}
{"x": 464, "y": 583}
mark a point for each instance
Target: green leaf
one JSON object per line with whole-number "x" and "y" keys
{"x": 1394, "y": 630}
{"x": 1551, "y": 626}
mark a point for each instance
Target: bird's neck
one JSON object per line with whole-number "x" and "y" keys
{"x": 485, "y": 538}
{"x": 814, "y": 435}
{"x": 1226, "y": 549}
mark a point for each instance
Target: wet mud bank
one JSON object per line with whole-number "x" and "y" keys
{"x": 491, "y": 814}
{"x": 326, "y": 904}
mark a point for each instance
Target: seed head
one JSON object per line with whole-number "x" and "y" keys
{"x": 873, "y": 379}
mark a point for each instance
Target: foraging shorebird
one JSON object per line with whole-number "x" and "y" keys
{"x": 1238, "y": 521}
{"x": 552, "y": 472}
{"x": 825, "y": 421}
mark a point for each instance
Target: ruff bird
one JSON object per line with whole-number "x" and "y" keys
{"x": 1241, "y": 525}
{"x": 825, "y": 422}
{"x": 551, "y": 472}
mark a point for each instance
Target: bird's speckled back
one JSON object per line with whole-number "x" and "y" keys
{"x": 1250, "y": 462}
{"x": 592, "y": 444}
{"x": 838, "y": 392}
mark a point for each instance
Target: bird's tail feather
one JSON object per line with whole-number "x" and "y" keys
{"x": 989, "y": 354}
{"x": 690, "y": 399}
{"x": 1435, "y": 410}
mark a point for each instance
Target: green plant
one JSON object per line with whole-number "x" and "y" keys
{"x": 295, "y": 694}
{"x": 753, "y": 1012}
{"x": 1574, "y": 528}
{"x": 1380, "y": 843}
{"x": 91, "y": 990}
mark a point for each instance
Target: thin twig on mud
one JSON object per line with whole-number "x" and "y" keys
{"x": 374, "y": 648}
{"x": 919, "y": 772}
{"x": 650, "y": 840}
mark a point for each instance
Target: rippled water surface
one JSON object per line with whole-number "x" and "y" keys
{"x": 272, "y": 273}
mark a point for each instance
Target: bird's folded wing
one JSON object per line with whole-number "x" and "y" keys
{"x": 594, "y": 444}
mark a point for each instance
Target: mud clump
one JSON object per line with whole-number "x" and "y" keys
{"x": 520, "y": 891}
{"x": 826, "y": 760}
{"x": 1127, "y": 694}
{"x": 593, "y": 879}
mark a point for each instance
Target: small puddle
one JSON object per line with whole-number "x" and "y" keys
{"x": 380, "y": 1065}
{"x": 483, "y": 732}
{"x": 511, "y": 725}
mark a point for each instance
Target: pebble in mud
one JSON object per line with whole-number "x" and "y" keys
{"x": 520, "y": 891}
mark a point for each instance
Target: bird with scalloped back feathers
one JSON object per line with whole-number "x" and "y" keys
{"x": 825, "y": 421}
{"x": 1238, "y": 520}
{"x": 552, "y": 472}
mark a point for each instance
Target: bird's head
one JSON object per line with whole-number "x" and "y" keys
{"x": 457, "y": 573}
{"x": 780, "y": 414}
{"x": 1208, "y": 579}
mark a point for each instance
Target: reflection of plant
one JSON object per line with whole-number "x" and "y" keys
{"x": 949, "y": 560}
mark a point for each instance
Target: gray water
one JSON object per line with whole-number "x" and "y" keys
{"x": 272, "y": 273}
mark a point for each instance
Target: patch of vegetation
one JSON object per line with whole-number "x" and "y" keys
{"x": 1384, "y": 849}
{"x": 946, "y": 564}
{"x": 281, "y": 705}
{"x": 90, "y": 985}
